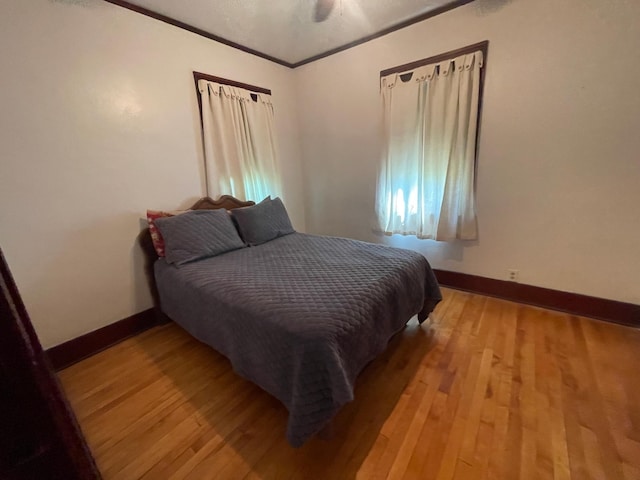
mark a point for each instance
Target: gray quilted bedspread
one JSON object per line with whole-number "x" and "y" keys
{"x": 301, "y": 315}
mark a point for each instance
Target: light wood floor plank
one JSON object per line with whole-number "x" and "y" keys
{"x": 544, "y": 369}
{"x": 486, "y": 389}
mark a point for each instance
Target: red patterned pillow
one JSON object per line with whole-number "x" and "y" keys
{"x": 156, "y": 237}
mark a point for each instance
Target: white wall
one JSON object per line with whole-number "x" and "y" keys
{"x": 99, "y": 122}
{"x": 559, "y": 167}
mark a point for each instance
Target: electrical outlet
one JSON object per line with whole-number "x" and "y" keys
{"x": 513, "y": 275}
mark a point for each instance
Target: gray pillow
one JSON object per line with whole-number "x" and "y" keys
{"x": 198, "y": 234}
{"x": 263, "y": 222}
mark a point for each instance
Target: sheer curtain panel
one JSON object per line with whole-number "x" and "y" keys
{"x": 427, "y": 176}
{"x": 239, "y": 142}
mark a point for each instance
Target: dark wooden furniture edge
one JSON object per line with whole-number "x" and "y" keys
{"x": 73, "y": 450}
{"x": 355, "y": 43}
{"x": 573, "y": 303}
{"x": 227, "y": 202}
{"x": 79, "y": 348}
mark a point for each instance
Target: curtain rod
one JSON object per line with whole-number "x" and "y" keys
{"x": 225, "y": 81}
{"x": 483, "y": 46}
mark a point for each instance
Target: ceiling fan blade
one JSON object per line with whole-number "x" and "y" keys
{"x": 323, "y": 9}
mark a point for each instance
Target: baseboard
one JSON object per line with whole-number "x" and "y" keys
{"x": 68, "y": 353}
{"x": 573, "y": 303}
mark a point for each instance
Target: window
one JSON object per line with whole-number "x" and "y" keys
{"x": 430, "y": 119}
{"x": 239, "y": 138}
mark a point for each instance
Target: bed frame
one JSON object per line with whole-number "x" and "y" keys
{"x": 227, "y": 202}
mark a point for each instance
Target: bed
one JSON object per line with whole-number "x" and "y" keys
{"x": 300, "y": 315}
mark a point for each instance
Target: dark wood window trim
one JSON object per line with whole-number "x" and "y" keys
{"x": 482, "y": 46}
{"x": 225, "y": 81}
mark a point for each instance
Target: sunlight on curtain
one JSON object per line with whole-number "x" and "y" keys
{"x": 426, "y": 180}
{"x": 239, "y": 142}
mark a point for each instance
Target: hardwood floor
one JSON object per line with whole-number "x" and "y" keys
{"x": 486, "y": 389}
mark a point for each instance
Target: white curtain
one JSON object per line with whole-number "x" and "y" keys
{"x": 239, "y": 142}
{"x": 427, "y": 176}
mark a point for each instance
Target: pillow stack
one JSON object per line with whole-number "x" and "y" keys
{"x": 156, "y": 237}
{"x": 183, "y": 237}
{"x": 198, "y": 234}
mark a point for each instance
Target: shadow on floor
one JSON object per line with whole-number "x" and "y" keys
{"x": 247, "y": 425}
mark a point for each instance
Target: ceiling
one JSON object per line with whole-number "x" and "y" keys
{"x": 287, "y": 31}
